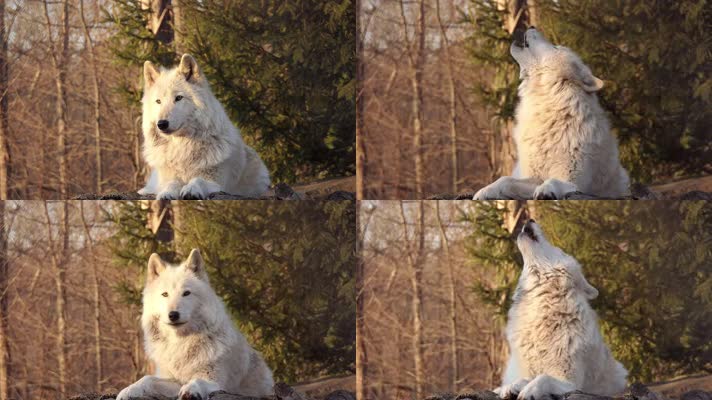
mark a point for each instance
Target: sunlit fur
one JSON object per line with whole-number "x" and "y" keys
{"x": 202, "y": 351}
{"x": 553, "y": 335}
{"x": 562, "y": 135}
{"x": 202, "y": 151}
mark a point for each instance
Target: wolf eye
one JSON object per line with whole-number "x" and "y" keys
{"x": 187, "y": 292}
{"x": 158, "y": 101}
{"x": 164, "y": 294}
{"x": 179, "y": 98}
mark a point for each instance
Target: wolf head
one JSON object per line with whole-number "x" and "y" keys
{"x": 174, "y": 294}
{"x": 540, "y": 255}
{"x": 542, "y": 63}
{"x": 172, "y": 97}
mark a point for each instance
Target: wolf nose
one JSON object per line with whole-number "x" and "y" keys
{"x": 531, "y": 221}
{"x": 532, "y": 27}
{"x": 162, "y": 124}
{"x": 174, "y": 316}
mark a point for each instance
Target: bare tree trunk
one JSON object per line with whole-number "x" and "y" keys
{"x": 452, "y": 304}
{"x": 96, "y": 300}
{"x": 520, "y": 14}
{"x": 361, "y": 356}
{"x": 452, "y": 101}
{"x": 360, "y": 148}
{"x": 4, "y": 309}
{"x": 59, "y": 261}
{"x": 418, "y": 68}
{"x": 4, "y": 121}
{"x": 60, "y": 62}
{"x": 97, "y": 100}
{"x": 415, "y": 261}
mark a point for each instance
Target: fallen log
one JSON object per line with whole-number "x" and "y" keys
{"x": 282, "y": 392}
{"x": 280, "y": 191}
{"x": 635, "y": 392}
{"x": 688, "y": 189}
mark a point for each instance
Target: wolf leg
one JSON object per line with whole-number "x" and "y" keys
{"x": 513, "y": 380}
{"x": 150, "y": 385}
{"x": 553, "y": 189}
{"x": 507, "y": 187}
{"x": 198, "y": 389}
{"x": 544, "y": 386}
{"x": 151, "y": 184}
{"x": 199, "y": 188}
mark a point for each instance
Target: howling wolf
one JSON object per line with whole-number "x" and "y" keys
{"x": 554, "y": 341}
{"x": 562, "y": 135}
{"x": 190, "y": 144}
{"x": 191, "y": 339}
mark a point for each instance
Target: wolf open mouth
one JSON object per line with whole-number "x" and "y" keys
{"x": 528, "y": 231}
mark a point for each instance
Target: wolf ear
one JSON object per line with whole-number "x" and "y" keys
{"x": 589, "y": 291}
{"x": 585, "y": 77}
{"x": 156, "y": 266}
{"x": 189, "y": 68}
{"x": 592, "y": 84}
{"x": 150, "y": 74}
{"x": 196, "y": 264}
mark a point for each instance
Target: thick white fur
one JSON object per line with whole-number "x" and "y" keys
{"x": 205, "y": 353}
{"x": 554, "y": 339}
{"x": 201, "y": 152}
{"x": 563, "y": 138}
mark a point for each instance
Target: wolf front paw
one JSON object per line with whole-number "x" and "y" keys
{"x": 168, "y": 195}
{"x": 553, "y": 189}
{"x": 198, "y": 189}
{"x": 511, "y": 391}
{"x": 197, "y": 389}
{"x": 534, "y": 392}
{"x": 134, "y": 390}
{"x": 484, "y": 194}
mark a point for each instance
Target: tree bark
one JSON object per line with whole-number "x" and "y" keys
{"x": 58, "y": 257}
{"x": 60, "y": 62}
{"x": 418, "y": 67}
{"x": 96, "y": 302}
{"x": 452, "y": 303}
{"x": 452, "y": 100}
{"x": 4, "y": 310}
{"x": 361, "y": 355}
{"x": 519, "y": 15}
{"x": 4, "y": 119}
{"x": 96, "y": 99}
{"x": 415, "y": 262}
{"x": 360, "y": 67}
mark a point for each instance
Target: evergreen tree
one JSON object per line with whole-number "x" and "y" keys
{"x": 655, "y": 58}
{"x": 284, "y": 70}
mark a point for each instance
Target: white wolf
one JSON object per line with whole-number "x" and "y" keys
{"x": 190, "y": 144}
{"x": 554, "y": 341}
{"x": 562, "y": 135}
{"x": 191, "y": 339}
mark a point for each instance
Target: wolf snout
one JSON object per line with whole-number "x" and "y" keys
{"x": 174, "y": 316}
{"x": 162, "y": 125}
